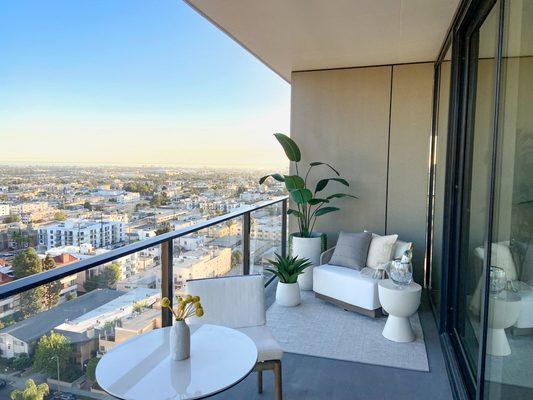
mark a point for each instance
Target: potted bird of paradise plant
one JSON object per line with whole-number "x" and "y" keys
{"x": 308, "y": 205}
{"x": 180, "y": 334}
{"x": 287, "y": 269}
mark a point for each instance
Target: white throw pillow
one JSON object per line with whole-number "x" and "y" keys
{"x": 380, "y": 250}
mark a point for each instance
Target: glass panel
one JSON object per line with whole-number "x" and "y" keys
{"x": 89, "y": 314}
{"x": 476, "y": 187}
{"x": 509, "y": 359}
{"x": 208, "y": 253}
{"x": 265, "y": 238}
{"x": 439, "y": 168}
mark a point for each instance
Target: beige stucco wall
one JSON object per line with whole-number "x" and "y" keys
{"x": 344, "y": 117}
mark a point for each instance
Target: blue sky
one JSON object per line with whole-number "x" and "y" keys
{"x": 132, "y": 82}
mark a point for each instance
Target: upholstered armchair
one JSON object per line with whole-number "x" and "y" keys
{"x": 239, "y": 302}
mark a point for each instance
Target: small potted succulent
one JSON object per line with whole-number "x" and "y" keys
{"x": 287, "y": 269}
{"x": 180, "y": 334}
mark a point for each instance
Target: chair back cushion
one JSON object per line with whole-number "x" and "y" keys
{"x": 235, "y": 301}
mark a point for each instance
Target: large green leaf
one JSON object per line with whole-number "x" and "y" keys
{"x": 326, "y": 210}
{"x": 317, "y": 163}
{"x": 289, "y": 146}
{"x": 293, "y": 182}
{"x": 314, "y": 202}
{"x": 301, "y": 196}
{"x": 321, "y": 185}
{"x": 277, "y": 177}
{"x": 340, "y": 195}
{"x": 294, "y": 212}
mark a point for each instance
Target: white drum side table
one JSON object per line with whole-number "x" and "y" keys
{"x": 400, "y": 303}
{"x": 504, "y": 310}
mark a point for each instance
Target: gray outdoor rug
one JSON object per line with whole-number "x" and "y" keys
{"x": 321, "y": 329}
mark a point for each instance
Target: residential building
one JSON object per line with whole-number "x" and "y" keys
{"x": 136, "y": 324}
{"x": 4, "y": 209}
{"x": 77, "y": 232}
{"x": 21, "y": 337}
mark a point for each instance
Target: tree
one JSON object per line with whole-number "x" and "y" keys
{"x": 31, "y": 391}
{"x": 60, "y": 216}
{"x": 87, "y": 205}
{"x": 139, "y": 306}
{"x": 91, "y": 368}
{"x": 163, "y": 229}
{"x": 27, "y": 263}
{"x": 19, "y": 238}
{"x": 53, "y": 289}
{"x": 21, "y": 362}
{"x": 11, "y": 218}
{"x": 51, "y": 349}
{"x": 236, "y": 258}
{"x": 107, "y": 278}
{"x": 112, "y": 274}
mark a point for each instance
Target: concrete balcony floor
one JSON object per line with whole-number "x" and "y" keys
{"x": 314, "y": 378}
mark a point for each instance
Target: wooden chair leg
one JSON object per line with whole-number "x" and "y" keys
{"x": 277, "y": 378}
{"x": 260, "y": 381}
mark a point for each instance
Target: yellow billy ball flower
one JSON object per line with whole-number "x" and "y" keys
{"x": 165, "y": 302}
{"x": 199, "y": 312}
{"x": 196, "y": 299}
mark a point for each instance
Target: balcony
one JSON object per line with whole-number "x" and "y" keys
{"x": 425, "y": 107}
{"x": 103, "y": 317}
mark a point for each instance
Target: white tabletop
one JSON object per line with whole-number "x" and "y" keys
{"x": 142, "y": 369}
{"x": 389, "y": 284}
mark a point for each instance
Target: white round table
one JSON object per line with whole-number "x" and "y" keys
{"x": 400, "y": 303}
{"x": 142, "y": 369}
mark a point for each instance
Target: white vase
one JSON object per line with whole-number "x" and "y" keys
{"x": 180, "y": 341}
{"x": 309, "y": 248}
{"x": 288, "y": 294}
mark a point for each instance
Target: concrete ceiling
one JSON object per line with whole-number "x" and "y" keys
{"x": 296, "y": 35}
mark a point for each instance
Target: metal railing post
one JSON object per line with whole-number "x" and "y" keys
{"x": 167, "y": 281}
{"x": 246, "y": 227}
{"x": 284, "y": 218}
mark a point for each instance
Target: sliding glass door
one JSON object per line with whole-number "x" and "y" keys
{"x": 479, "y": 119}
{"x": 481, "y": 210}
{"x": 509, "y": 345}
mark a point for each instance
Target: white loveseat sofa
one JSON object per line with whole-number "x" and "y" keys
{"x": 346, "y": 287}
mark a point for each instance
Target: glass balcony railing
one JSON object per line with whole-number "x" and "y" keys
{"x": 77, "y": 312}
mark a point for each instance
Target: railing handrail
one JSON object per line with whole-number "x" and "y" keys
{"x": 30, "y": 282}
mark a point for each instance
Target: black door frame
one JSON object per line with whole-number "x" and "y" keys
{"x": 462, "y": 37}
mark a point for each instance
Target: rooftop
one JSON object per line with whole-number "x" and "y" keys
{"x": 42, "y": 323}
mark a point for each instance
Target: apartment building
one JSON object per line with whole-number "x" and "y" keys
{"x": 4, "y": 210}
{"x": 75, "y": 232}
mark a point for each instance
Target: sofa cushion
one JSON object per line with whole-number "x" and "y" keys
{"x": 347, "y": 285}
{"x": 380, "y": 250}
{"x": 351, "y": 250}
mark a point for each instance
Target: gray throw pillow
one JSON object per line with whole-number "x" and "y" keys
{"x": 351, "y": 250}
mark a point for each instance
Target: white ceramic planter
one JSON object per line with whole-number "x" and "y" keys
{"x": 309, "y": 248}
{"x": 288, "y": 294}
{"x": 180, "y": 341}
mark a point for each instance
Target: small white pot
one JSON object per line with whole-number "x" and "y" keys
{"x": 309, "y": 248}
{"x": 288, "y": 294}
{"x": 180, "y": 341}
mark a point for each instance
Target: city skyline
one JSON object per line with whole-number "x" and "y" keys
{"x": 133, "y": 84}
